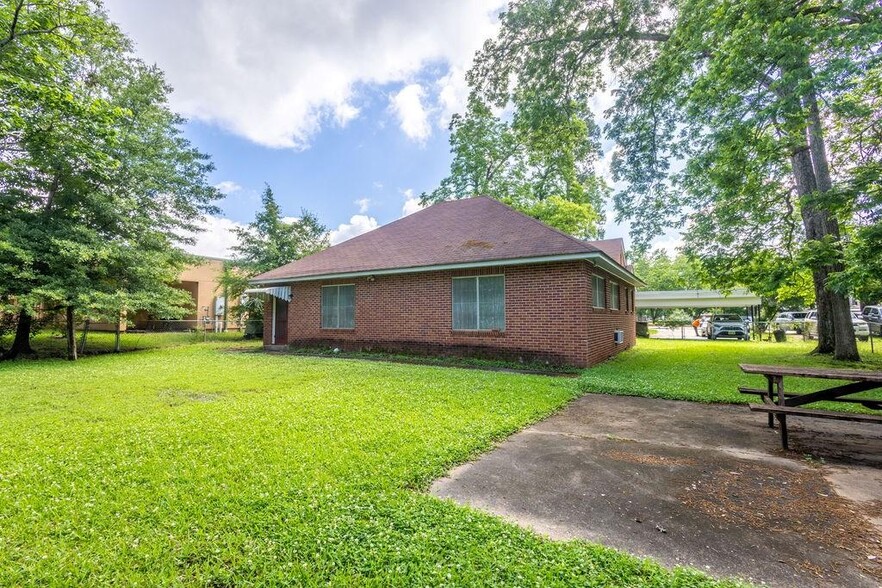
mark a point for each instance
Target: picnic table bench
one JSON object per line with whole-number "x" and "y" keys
{"x": 779, "y": 403}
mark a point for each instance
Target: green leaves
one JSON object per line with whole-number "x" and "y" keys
{"x": 271, "y": 241}
{"x": 714, "y": 98}
{"x": 268, "y": 242}
{"x": 97, "y": 185}
{"x": 540, "y": 162}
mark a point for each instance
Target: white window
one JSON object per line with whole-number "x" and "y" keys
{"x": 479, "y": 303}
{"x": 598, "y": 292}
{"x": 614, "y": 296}
{"x": 338, "y": 307}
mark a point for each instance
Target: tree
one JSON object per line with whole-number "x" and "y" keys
{"x": 95, "y": 177}
{"x": 661, "y": 271}
{"x": 745, "y": 93}
{"x": 268, "y": 242}
{"x": 271, "y": 240}
{"x": 540, "y": 168}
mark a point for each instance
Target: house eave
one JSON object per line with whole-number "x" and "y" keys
{"x": 598, "y": 258}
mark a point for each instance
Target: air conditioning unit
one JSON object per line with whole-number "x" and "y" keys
{"x": 619, "y": 337}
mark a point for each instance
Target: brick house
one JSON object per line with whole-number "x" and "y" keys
{"x": 471, "y": 277}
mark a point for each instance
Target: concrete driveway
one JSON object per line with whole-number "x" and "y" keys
{"x": 706, "y": 486}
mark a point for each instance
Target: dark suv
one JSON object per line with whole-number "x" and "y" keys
{"x": 873, "y": 316}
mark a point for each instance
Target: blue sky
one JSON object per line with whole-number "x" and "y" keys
{"x": 342, "y": 107}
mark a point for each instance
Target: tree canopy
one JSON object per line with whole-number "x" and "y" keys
{"x": 269, "y": 241}
{"x": 539, "y": 163}
{"x": 751, "y": 125}
{"x": 661, "y": 271}
{"x": 97, "y": 184}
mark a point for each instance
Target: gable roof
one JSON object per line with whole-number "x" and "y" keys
{"x": 615, "y": 248}
{"x": 472, "y": 232}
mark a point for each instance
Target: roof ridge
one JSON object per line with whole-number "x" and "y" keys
{"x": 539, "y": 222}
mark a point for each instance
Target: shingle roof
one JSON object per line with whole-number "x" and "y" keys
{"x": 453, "y": 232}
{"x": 615, "y": 248}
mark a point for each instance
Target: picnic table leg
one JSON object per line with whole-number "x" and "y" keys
{"x": 772, "y": 398}
{"x": 782, "y": 418}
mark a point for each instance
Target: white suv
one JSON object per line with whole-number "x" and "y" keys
{"x": 861, "y": 328}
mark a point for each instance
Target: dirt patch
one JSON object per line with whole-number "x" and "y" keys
{"x": 649, "y": 459}
{"x": 475, "y": 244}
{"x": 786, "y": 501}
{"x": 175, "y": 397}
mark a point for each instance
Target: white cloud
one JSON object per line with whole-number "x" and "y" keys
{"x": 276, "y": 71}
{"x": 343, "y": 113}
{"x": 357, "y": 225}
{"x": 363, "y": 204}
{"x": 411, "y": 203}
{"x": 671, "y": 242}
{"x": 378, "y": 185}
{"x": 227, "y": 187}
{"x": 413, "y": 117}
{"x": 453, "y": 93}
{"x": 290, "y": 219}
{"x": 603, "y": 100}
{"x": 216, "y": 239}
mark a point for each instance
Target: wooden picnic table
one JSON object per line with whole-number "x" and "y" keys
{"x": 779, "y": 403}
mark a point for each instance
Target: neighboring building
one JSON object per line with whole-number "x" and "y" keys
{"x": 470, "y": 277}
{"x": 202, "y": 281}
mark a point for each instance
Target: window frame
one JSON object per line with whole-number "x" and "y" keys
{"x": 594, "y": 290}
{"x": 617, "y": 300}
{"x": 322, "y": 302}
{"x": 477, "y": 279}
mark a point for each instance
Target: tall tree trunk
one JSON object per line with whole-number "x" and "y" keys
{"x": 22, "y": 342}
{"x": 71, "y": 335}
{"x": 811, "y": 173}
{"x": 837, "y": 305}
{"x": 813, "y": 221}
{"x": 116, "y": 338}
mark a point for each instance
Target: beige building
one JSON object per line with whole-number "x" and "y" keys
{"x": 202, "y": 281}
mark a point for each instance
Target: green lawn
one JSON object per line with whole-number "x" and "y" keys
{"x": 49, "y": 344}
{"x": 196, "y": 465}
{"x": 707, "y": 371}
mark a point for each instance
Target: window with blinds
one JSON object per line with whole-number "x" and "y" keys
{"x": 598, "y": 292}
{"x": 479, "y": 303}
{"x": 338, "y": 307}
{"x": 614, "y": 296}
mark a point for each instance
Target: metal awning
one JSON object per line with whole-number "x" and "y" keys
{"x": 737, "y": 298}
{"x": 280, "y": 292}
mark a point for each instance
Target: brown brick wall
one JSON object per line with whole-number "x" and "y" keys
{"x": 548, "y": 316}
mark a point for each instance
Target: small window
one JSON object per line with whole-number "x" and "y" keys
{"x": 338, "y": 307}
{"x": 479, "y": 303}
{"x": 598, "y": 286}
{"x": 614, "y": 296}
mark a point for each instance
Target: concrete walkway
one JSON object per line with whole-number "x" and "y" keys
{"x": 705, "y": 486}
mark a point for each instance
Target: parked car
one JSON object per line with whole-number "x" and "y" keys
{"x": 789, "y": 321}
{"x": 873, "y": 316}
{"x": 861, "y": 328}
{"x": 727, "y": 325}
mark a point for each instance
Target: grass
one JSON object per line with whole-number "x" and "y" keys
{"x": 48, "y": 344}
{"x": 196, "y": 465}
{"x": 707, "y": 371}
{"x": 535, "y": 367}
